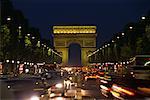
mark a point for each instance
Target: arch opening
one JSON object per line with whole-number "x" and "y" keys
{"x": 74, "y": 54}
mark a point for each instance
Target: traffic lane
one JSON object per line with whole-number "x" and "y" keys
{"x": 123, "y": 87}
{"x": 19, "y": 89}
{"x": 91, "y": 88}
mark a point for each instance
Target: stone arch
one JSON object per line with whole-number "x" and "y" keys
{"x": 80, "y": 42}
{"x": 74, "y": 54}
{"x": 85, "y": 36}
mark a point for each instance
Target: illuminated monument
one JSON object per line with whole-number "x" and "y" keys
{"x": 85, "y": 36}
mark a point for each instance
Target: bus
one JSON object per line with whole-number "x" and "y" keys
{"x": 140, "y": 67}
{"x": 140, "y": 60}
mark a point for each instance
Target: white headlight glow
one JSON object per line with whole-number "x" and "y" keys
{"x": 59, "y": 85}
{"x": 35, "y": 98}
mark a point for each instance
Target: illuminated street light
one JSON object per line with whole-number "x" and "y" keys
{"x": 8, "y": 19}
{"x": 33, "y": 37}
{"x": 122, "y": 34}
{"x": 108, "y": 44}
{"x": 100, "y": 48}
{"x": 28, "y": 34}
{"x": 113, "y": 41}
{"x": 13, "y": 61}
{"x": 18, "y": 62}
{"x": 117, "y": 37}
{"x": 105, "y": 45}
{"x": 124, "y": 62}
{"x": 19, "y": 27}
{"x": 25, "y": 63}
{"x": 44, "y": 45}
{"x": 143, "y": 17}
{"x": 8, "y": 87}
{"x": 26, "y": 70}
{"x": 7, "y": 61}
{"x": 130, "y": 27}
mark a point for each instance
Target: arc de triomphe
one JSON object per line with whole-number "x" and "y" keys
{"x": 85, "y": 36}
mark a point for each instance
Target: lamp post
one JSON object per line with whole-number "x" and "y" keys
{"x": 19, "y": 27}
{"x": 32, "y": 48}
{"x": 108, "y": 48}
{"x": 6, "y": 52}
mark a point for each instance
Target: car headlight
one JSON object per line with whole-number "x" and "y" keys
{"x": 34, "y": 98}
{"x": 59, "y": 85}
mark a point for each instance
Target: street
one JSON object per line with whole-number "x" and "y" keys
{"x": 75, "y": 86}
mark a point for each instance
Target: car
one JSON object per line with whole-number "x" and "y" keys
{"x": 91, "y": 76}
{"x": 129, "y": 86}
{"x": 56, "y": 90}
{"x": 105, "y": 85}
{"x": 141, "y": 75}
{"x": 124, "y": 92}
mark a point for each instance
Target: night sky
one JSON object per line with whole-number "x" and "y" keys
{"x": 110, "y": 16}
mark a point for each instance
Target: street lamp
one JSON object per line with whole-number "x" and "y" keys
{"x": 130, "y": 27}
{"x": 122, "y": 34}
{"x": 127, "y": 62}
{"x": 25, "y": 63}
{"x": 8, "y": 18}
{"x": 112, "y": 41}
{"x": 124, "y": 63}
{"x": 19, "y": 27}
{"x": 13, "y": 61}
{"x": 143, "y": 17}
{"x": 33, "y": 37}
{"x": 117, "y": 37}
{"x": 28, "y": 34}
{"x": 19, "y": 31}
{"x": 7, "y": 61}
{"x": 18, "y": 62}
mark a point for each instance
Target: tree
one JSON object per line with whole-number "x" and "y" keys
{"x": 126, "y": 52}
{"x": 4, "y": 42}
{"x": 139, "y": 43}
